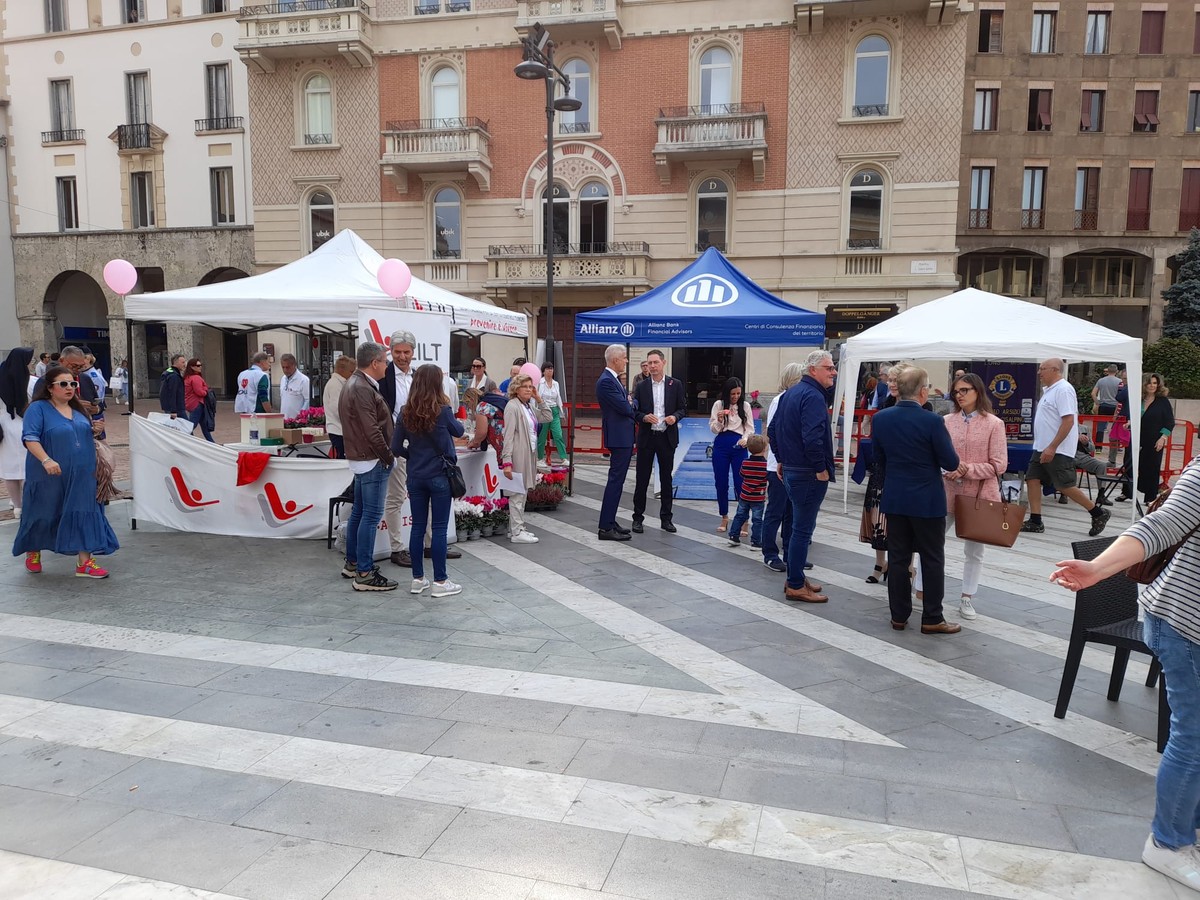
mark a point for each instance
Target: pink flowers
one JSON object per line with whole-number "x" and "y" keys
{"x": 313, "y": 417}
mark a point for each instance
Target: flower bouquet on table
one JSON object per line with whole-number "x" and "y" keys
{"x": 547, "y": 493}
{"x": 755, "y": 406}
{"x": 306, "y": 426}
{"x": 468, "y": 517}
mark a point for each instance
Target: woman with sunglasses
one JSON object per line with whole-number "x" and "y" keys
{"x": 978, "y": 438}
{"x": 195, "y": 394}
{"x": 61, "y": 511}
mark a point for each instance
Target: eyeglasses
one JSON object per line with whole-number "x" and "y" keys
{"x": 963, "y": 390}
{"x": 476, "y": 365}
{"x": 67, "y": 384}
{"x": 830, "y": 368}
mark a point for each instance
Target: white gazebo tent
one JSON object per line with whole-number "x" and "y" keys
{"x": 975, "y": 324}
{"x": 324, "y": 290}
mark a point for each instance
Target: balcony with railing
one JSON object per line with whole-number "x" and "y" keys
{"x": 979, "y": 218}
{"x": 1033, "y": 218}
{"x": 574, "y": 19}
{"x": 607, "y": 264}
{"x": 810, "y": 16}
{"x": 220, "y": 123}
{"x": 438, "y": 7}
{"x": 718, "y": 131}
{"x": 133, "y": 137}
{"x": 63, "y": 136}
{"x": 1137, "y": 220}
{"x": 438, "y": 145}
{"x": 1086, "y": 219}
{"x": 271, "y": 32}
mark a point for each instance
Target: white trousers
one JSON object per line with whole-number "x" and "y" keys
{"x": 972, "y": 567}
{"x": 516, "y": 514}
{"x": 397, "y": 493}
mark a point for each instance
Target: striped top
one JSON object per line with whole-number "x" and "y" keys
{"x": 754, "y": 480}
{"x": 1175, "y": 594}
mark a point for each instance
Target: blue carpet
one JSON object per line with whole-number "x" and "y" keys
{"x": 693, "y": 478}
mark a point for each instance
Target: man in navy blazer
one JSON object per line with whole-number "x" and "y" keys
{"x": 617, "y": 428}
{"x": 659, "y": 402}
{"x": 913, "y": 448}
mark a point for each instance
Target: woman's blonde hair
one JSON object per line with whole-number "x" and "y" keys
{"x": 517, "y": 382}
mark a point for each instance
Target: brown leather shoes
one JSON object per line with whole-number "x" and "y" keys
{"x": 804, "y": 595}
{"x": 941, "y": 628}
{"x": 899, "y": 626}
{"x": 812, "y": 585}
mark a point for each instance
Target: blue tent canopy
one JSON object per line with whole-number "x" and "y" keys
{"x": 709, "y": 304}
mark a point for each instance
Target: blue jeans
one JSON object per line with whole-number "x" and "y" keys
{"x": 365, "y": 516}
{"x": 197, "y": 418}
{"x": 806, "y": 493}
{"x": 1177, "y": 789}
{"x": 778, "y": 513}
{"x": 423, "y": 495}
{"x": 727, "y": 455}
{"x": 753, "y": 512}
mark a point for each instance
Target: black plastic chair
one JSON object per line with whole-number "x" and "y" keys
{"x": 1106, "y": 613}
{"x": 335, "y": 503}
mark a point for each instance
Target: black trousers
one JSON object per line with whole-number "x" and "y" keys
{"x": 907, "y": 535}
{"x": 653, "y": 445}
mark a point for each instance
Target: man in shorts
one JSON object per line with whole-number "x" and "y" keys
{"x": 1055, "y": 438}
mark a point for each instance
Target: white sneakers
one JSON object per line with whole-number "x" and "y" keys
{"x": 524, "y": 537}
{"x": 419, "y": 585}
{"x": 445, "y": 588}
{"x": 1182, "y": 865}
{"x": 966, "y": 609}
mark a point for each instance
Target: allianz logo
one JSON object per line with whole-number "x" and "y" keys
{"x": 625, "y": 329}
{"x": 704, "y": 292}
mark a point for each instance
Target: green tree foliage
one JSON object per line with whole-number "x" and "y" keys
{"x": 1182, "y": 316}
{"x": 1177, "y": 359}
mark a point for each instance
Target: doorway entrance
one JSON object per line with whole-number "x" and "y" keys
{"x": 704, "y": 370}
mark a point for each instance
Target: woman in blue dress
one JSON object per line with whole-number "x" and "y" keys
{"x": 61, "y": 512}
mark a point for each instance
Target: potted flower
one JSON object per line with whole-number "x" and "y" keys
{"x": 755, "y": 406}
{"x": 547, "y": 493}
{"x": 468, "y": 517}
{"x": 500, "y": 515}
{"x": 488, "y": 526}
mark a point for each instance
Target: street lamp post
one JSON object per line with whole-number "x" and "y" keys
{"x": 537, "y": 63}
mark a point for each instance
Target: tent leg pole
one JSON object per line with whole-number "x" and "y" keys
{"x": 129, "y": 355}
{"x": 574, "y": 421}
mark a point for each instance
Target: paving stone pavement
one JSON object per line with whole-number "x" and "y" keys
{"x": 225, "y": 718}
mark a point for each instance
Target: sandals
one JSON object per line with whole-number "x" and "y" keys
{"x": 879, "y": 575}
{"x": 724, "y": 526}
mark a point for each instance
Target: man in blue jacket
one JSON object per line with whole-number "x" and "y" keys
{"x": 170, "y": 388}
{"x": 913, "y": 448}
{"x": 802, "y": 442}
{"x": 617, "y": 423}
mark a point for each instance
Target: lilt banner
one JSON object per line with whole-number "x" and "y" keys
{"x": 432, "y": 331}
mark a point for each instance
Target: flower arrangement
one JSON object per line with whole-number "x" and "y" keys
{"x": 313, "y": 417}
{"x": 754, "y": 404}
{"x": 468, "y": 514}
{"x": 496, "y": 513}
{"x": 547, "y": 492}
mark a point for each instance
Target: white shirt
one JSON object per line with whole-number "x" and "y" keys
{"x": 658, "y": 390}
{"x": 477, "y": 383}
{"x": 551, "y": 394}
{"x": 360, "y": 466}
{"x": 772, "y": 462}
{"x": 403, "y": 385}
{"x": 293, "y": 394}
{"x": 450, "y": 387}
{"x": 40, "y": 369}
{"x": 247, "y": 389}
{"x": 1057, "y": 401}
{"x": 329, "y": 399}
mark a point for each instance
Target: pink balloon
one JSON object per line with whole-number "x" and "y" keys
{"x": 394, "y": 277}
{"x": 120, "y": 276}
{"x": 532, "y": 370}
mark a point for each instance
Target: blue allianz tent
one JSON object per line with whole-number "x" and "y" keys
{"x": 709, "y": 304}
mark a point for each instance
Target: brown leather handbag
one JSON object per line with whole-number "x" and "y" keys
{"x": 994, "y": 522}
{"x": 1152, "y": 566}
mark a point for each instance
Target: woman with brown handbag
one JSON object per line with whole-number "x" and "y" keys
{"x": 978, "y": 438}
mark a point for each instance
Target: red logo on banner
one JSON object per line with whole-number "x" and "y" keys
{"x": 276, "y": 511}
{"x": 377, "y": 335}
{"x": 185, "y": 498}
{"x": 490, "y": 481}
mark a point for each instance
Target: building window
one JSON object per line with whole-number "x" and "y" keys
{"x": 1152, "y": 32}
{"x": 56, "y": 15}
{"x": 1196, "y": 35}
{"x": 1013, "y": 274}
{"x": 1145, "y": 111}
{"x": 320, "y": 219}
{"x": 1033, "y": 198}
{"x": 445, "y": 108}
{"x": 221, "y": 187}
{"x": 1091, "y": 112}
{"x": 986, "y": 100}
{"x": 1040, "y": 102}
{"x": 218, "y": 97}
{"x": 712, "y": 210}
{"x": 1042, "y": 40}
{"x": 141, "y": 199}
{"x": 62, "y": 109}
{"x": 980, "y": 213}
{"x": 556, "y": 225}
{"x": 872, "y": 69}
{"x": 215, "y": 6}
{"x": 1105, "y": 275}
{"x": 447, "y": 224}
{"x": 1193, "y": 118}
{"x": 991, "y": 31}
{"x": 1189, "y": 200}
{"x": 866, "y": 211}
{"x": 133, "y": 11}
{"x": 137, "y": 98}
{"x": 593, "y": 218}
{"x": 578, "y": 121}
{"x": 1137, "y": 216}
{"x": 1087, "y": 198}
{"x": 1096, "y": 37}
{"x": 318, "y": 110}
{"x": 68, "y": 203}
{"x": 716, "y": 81}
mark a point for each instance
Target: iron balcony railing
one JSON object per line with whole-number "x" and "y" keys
{"x": 1033, "y": 218}
{"x": 701, "y": 246}
{"x": 451, "y": 124}
{"x": 712, "y": 109}
{"x": 220, "y": 123}
{"x": 979, "y": 218}
{"x": 1086, "y": 219}
{"x": 1189, "y": 219}
{"x": 133, "y": 137}
{"x": 609, "y": 248}
{"x": 864, "y": 244}
{"x": 433, "y": 7}
{"x": 870, "y": 109}
{"x": 1137, "y": 220}
{"x": 62, "y": 135}
{"x": 290, "y": 6}
{"x": 574, "y": 127}
{"x": 313, "y": 139}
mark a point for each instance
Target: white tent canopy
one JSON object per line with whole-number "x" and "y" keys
{"x": 975, "y": 324}
{"x": 325, "y": 288}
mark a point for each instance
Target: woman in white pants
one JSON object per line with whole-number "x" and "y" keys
{"x": 524, "y": 412}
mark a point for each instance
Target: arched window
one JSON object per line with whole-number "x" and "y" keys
{"x": 716, "y": 81}
{"x": 447, "y": 224}
{"x": 712, "y": 209}
{"x": 444, "y": 97}
{"x": 577, "y": 121}
{"x": 320, "y": 219}
{"x": 593, "y": 218}
{"x": 318, "y": 110}
{"x": 866, "y": 211}
{"x": 872, "y": 70}
{"x": 559, "y": 217}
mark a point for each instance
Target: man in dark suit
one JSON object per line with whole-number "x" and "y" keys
{"x": 913, "y": 448}
{"x": 617, "y": 427}
{"x": 659, "y": 401}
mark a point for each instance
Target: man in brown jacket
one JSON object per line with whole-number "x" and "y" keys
{"x": 367, "y": 433}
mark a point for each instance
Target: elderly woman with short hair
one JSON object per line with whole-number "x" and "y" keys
{"x": 524, "y": 412}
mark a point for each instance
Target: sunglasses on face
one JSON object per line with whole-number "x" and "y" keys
{"x": 476, "y": 366}
{"x": 67, "y": 384}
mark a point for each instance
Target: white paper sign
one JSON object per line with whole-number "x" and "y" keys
{"x": 514, "y": 484}
{"x": 432, "y": 331}
{"x": 183, "y": 426}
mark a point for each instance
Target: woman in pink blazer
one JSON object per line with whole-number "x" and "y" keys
{"x": 978, "y": 438}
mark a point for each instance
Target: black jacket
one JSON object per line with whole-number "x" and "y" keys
{"x": 674, "y": 402}
{"x": 170, "y": 393}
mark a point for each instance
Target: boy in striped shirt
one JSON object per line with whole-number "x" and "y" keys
{"x": 753, "y": 497}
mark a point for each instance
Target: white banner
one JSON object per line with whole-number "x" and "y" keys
{"x": 432, "y": 331}
{"x": 480, "y": 472}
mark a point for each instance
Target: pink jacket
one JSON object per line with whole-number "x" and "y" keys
{"x": 981, "y": 445}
